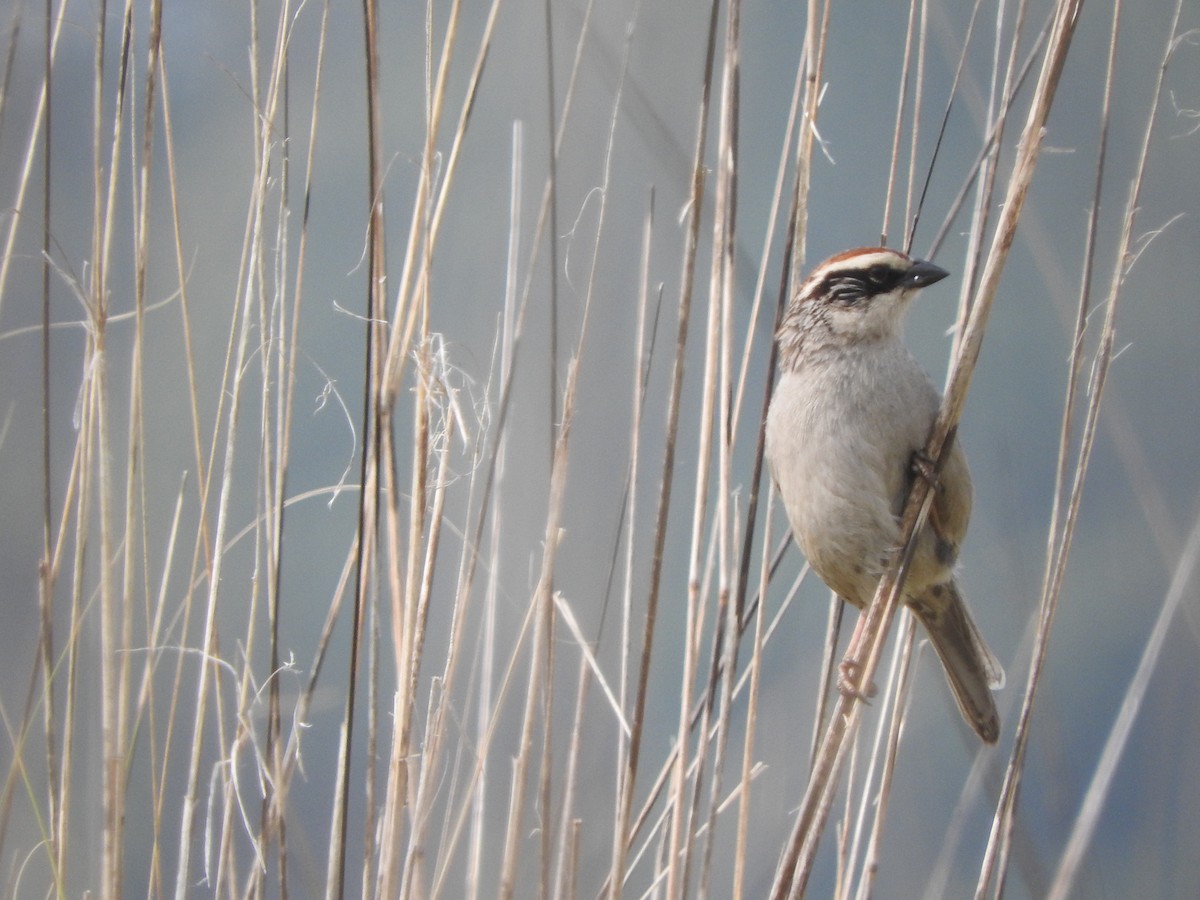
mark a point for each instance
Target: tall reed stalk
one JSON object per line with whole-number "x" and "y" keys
{"x": 382, "y": 468}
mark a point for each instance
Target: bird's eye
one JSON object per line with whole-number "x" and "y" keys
{"x": 878, "y": 274}
{"x": 846, "y": 291}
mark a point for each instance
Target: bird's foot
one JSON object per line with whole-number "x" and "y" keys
{"x": 849, "y": 681}
{"x": 925, "y": 467}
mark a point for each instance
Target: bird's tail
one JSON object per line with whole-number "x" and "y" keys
{"x": 971, "y": 669}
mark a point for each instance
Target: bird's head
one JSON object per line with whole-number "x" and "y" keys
{"x": 855, "y": 296}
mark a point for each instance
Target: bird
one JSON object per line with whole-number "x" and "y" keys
{"x": 845, "y": 434}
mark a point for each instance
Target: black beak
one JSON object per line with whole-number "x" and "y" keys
{"x": 922, "y": 274}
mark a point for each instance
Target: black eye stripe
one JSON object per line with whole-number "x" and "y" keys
{"x": 883, "y": 275}
{"x": 849, "y": 287}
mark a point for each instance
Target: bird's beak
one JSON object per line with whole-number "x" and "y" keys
{"x": 922, "y": 274}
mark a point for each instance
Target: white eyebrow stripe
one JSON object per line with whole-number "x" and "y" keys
{"x": 861, "y": 259}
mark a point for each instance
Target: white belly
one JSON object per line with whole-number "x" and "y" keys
{"x": 840, "y": 437}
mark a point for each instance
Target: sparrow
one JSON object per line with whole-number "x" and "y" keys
{"x": 845, "y": 436}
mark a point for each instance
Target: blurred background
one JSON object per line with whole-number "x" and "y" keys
{"x": 242, "y": 217}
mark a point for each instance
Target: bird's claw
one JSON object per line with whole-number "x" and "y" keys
{"x": 924, "y": 466}
{"x": 849, "y": 682}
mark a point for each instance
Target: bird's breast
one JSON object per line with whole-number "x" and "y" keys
{"x": 839, "y": 438}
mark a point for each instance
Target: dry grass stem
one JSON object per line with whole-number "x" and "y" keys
{"x": 795, "y": 867}
{"x": 475, "y": 585}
